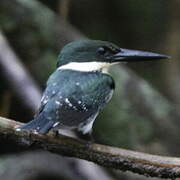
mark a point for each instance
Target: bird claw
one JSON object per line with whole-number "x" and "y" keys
{"x": 54, "y": 133}
{"x": 89, "y": 144}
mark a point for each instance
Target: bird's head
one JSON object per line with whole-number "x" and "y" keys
{"x": 94, "y": 55}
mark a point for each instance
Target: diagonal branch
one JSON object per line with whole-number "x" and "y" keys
{"x": 17, "y": 76}
{"x": 141, "y": 163}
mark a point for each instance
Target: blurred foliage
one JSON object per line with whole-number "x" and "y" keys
{"x": 128, "y": 23}
{"x": 119, "y": 124}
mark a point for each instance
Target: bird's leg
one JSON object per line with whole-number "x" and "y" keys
{"x": 88, "y": 137}
{"x": 54, "y": 133}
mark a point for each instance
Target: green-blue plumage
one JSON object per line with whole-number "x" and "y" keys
{"x": 78, "y": 89}
{"x": 76, "y": 95}
{"x": 71, "y": 97}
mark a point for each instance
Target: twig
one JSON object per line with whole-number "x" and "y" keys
{"x": 141, "y": 163}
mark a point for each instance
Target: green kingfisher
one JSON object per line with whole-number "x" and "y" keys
{"x": 81, "y": 85}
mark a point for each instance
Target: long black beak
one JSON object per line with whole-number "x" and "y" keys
{"x": 127, "y": 55}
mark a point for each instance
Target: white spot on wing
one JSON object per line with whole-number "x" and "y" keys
{"x": 57, "y": 102}
{"x": 84, "y": 107}
{"x": 42, "y": 98}
{"x": 68, "y": 102}
{"x": 45, "y": 101}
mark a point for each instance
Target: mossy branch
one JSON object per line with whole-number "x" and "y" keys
{"x": 112, "y": 157}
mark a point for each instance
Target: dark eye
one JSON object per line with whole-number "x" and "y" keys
{"x": 101, "y": 50}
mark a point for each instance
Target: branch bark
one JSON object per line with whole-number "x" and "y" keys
{"x": 141, "y": 163}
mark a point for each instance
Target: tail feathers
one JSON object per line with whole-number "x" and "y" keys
{"x": 40, "y": 124}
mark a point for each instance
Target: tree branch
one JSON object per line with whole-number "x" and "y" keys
{"x": 141, "y": 163}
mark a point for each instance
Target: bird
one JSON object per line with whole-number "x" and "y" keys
{"x": 80, "y": 87}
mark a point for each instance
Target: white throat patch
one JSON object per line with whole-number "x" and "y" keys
{"x": 86, "y": 66}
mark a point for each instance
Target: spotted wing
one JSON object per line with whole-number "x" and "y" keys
{"x": 71, "y": 98}
{"x": 83, "y": 97}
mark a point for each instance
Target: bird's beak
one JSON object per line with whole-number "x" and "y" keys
{"x": 127, "y": 55}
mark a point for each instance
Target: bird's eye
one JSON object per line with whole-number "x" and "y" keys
{"x": 101, "y": 50}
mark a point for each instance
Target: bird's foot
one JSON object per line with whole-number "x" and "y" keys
{"x": 54, "y": 133}
{"x": 86, "y": 138}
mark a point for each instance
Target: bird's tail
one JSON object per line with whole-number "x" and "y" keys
{"x": 40, "y": 124}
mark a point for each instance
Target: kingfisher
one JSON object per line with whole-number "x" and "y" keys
{"x": 81, "y": 86}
